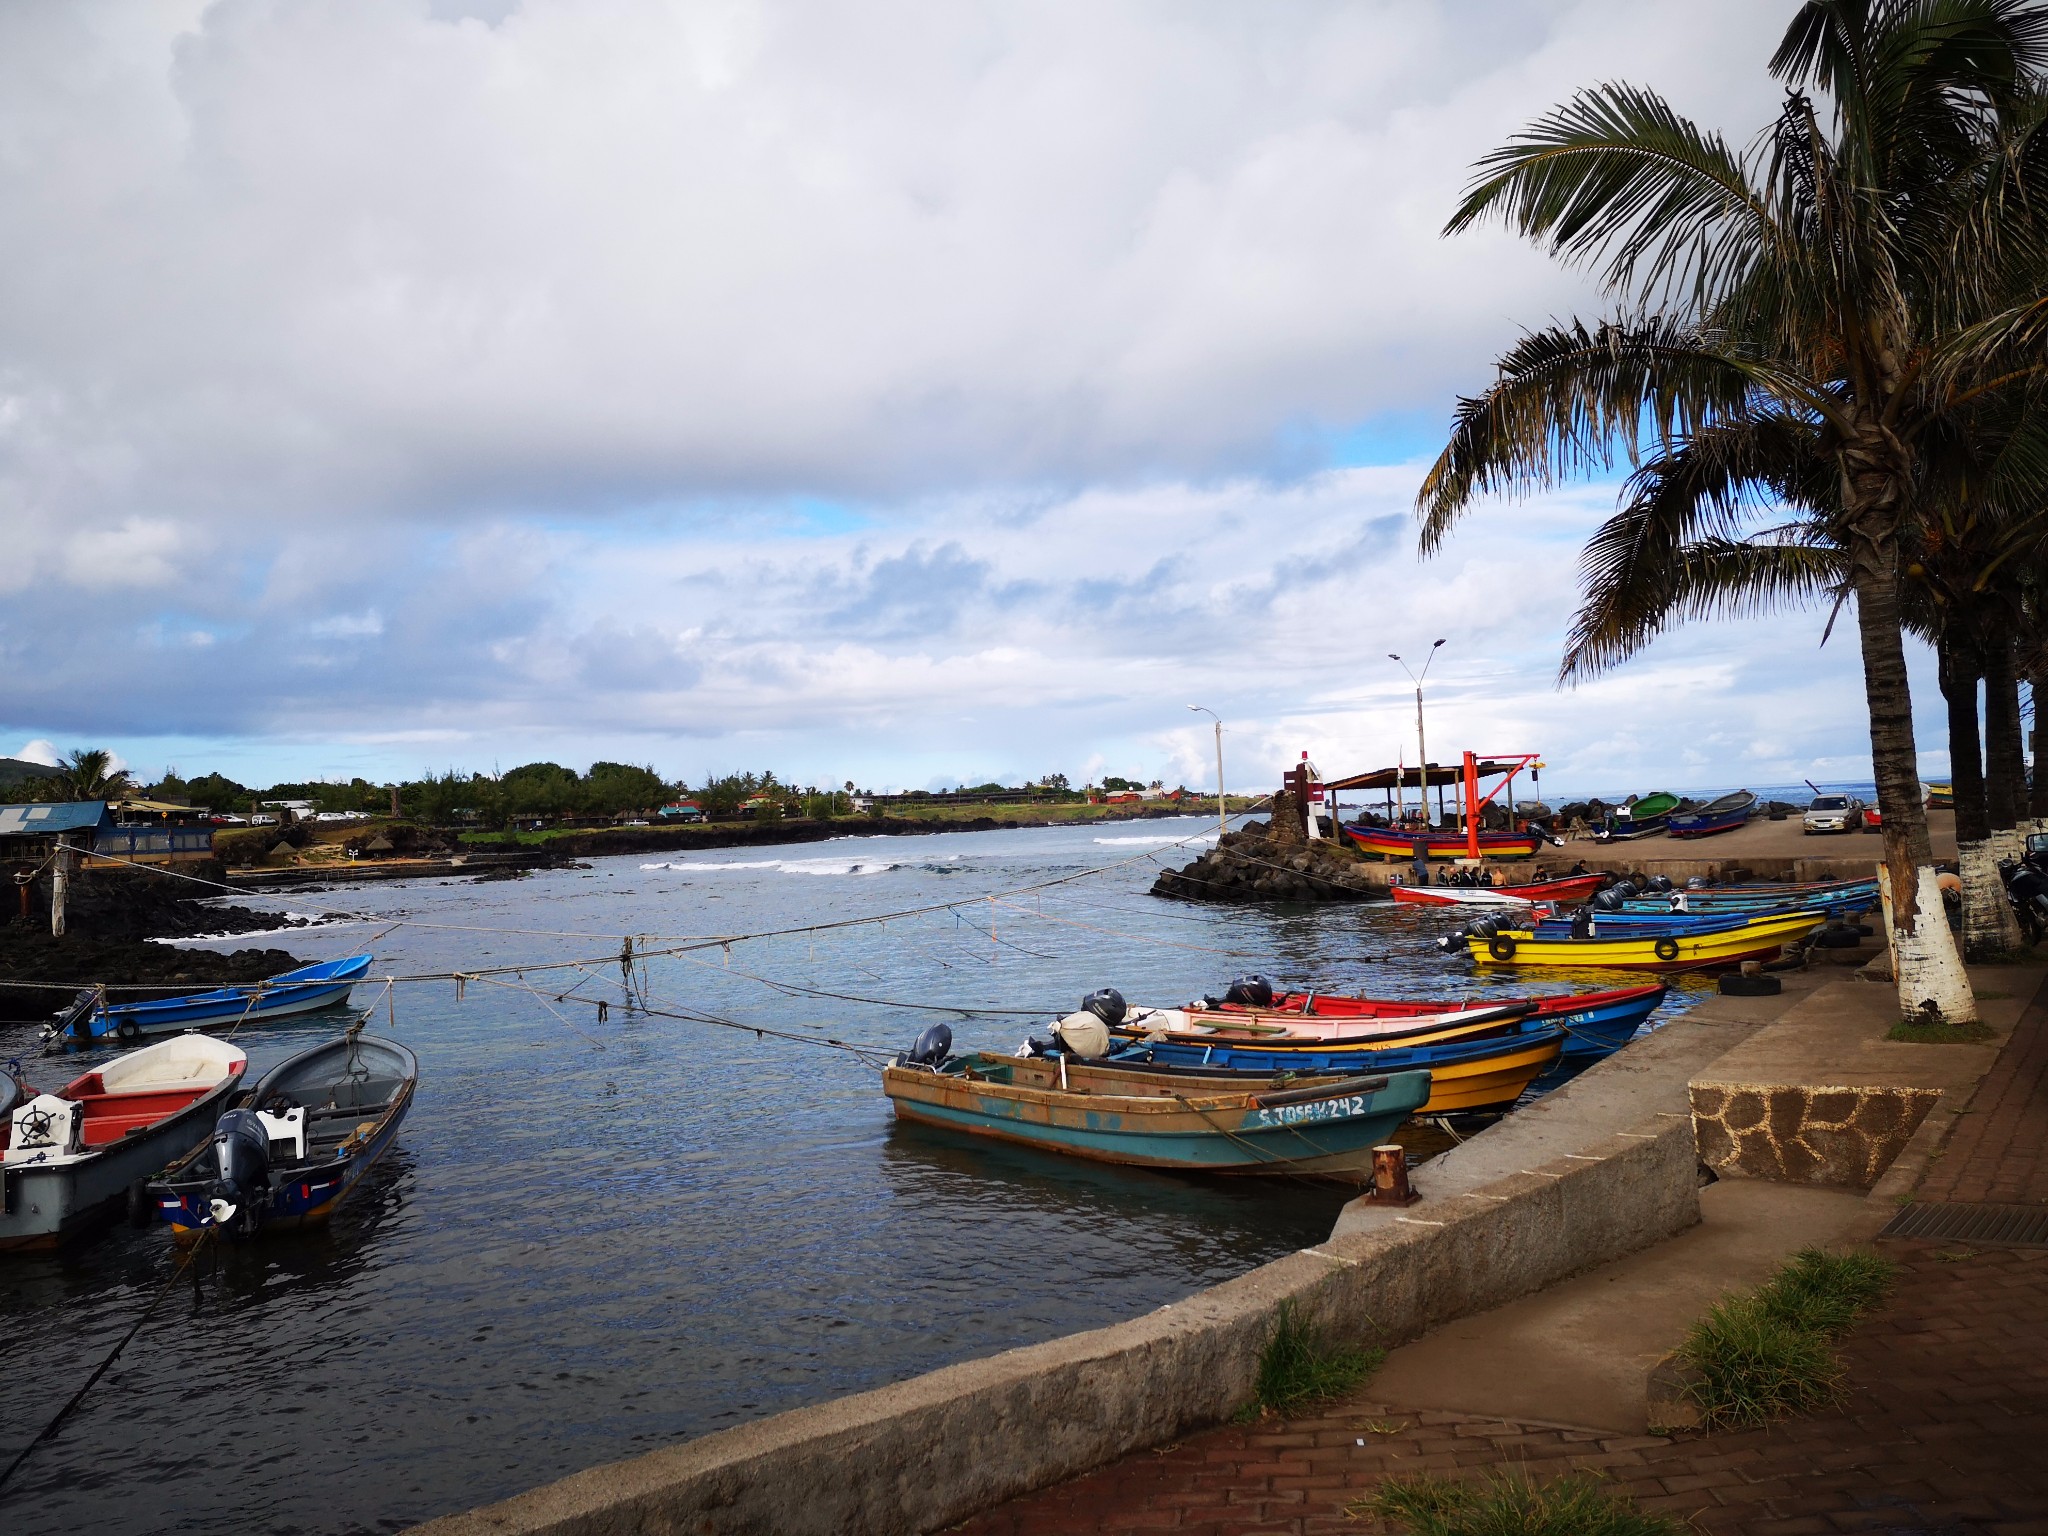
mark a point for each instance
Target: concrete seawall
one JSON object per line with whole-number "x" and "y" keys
{"x": 1600, "y": 1169}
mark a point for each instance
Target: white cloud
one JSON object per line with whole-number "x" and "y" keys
{"x": 40, "y": 751}
{"x": 903, "y": 390}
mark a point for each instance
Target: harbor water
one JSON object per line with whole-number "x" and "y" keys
{"x": 597, "y": 1236}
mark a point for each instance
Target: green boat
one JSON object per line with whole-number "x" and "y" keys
{"x": 1327, "y": 1127}
{"x": 1639, "y": 818}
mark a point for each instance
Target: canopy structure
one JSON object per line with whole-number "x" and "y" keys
{"x": 1439, "y": 773}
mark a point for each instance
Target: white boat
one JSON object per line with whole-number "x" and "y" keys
{"x": 75, "y": 1157}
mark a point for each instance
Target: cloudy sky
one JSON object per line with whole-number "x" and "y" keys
{"x": 892, "y": 391}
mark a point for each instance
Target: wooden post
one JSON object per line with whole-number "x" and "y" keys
{"x": 60, "y": 885}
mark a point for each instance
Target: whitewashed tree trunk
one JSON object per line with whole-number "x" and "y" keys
{"x": 1925, "y": 961}
{"x": 1990, "y": 926}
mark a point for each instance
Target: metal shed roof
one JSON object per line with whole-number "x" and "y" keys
{"x": 38, "y": 820}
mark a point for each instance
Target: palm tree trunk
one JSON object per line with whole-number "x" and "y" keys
{"x": 1989, "y": 926}
{"x": 2005, "y": 758}
{"x": 1924, "y": 957}
{"x": 1959, "y": 673}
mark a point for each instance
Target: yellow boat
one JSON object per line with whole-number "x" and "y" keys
{"x": 1758, "y": 939}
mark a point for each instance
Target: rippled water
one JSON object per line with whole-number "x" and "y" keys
{"x": 598, "y": 1237}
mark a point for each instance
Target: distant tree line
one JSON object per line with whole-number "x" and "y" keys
{"x": 543, "y": 791}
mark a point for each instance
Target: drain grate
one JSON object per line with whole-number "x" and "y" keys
{"x": 2024, "y": 1226}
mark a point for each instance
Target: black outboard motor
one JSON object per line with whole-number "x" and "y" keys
{"x": 1453, "y": 943}
{"x": 931, "y": 1049}
{"x": 1609, "y": 900}
{"x": 1107, "y": 1004}
{"x": 241, "y": 1157}
{"x": 1249, "y": 991}
{"x": 1658, "y": 885}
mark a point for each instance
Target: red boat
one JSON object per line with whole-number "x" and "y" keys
{"x": 1594, "y": 1022}
{"x": 1569, "y": 888}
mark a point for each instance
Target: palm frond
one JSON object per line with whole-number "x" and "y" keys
{"x": 1617, "y": 178}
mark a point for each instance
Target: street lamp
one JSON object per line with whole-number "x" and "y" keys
{"x": 1421, "y": 746}
{"x": 1203, "y": 709}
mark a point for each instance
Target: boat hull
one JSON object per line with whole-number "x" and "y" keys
{"x": 307, "y": 1195}
{"x": 1595, "y": 1023}
{"x": 1386, "y": 843}
{"x": 1574, "y": 888}
{"x": 1667, "y": 952}
{"x": 1330, "y": 1134}
{"x": 45, "y": 1207}
{"x": 324, "y": 986}
{"x": 1477, "y": 1075}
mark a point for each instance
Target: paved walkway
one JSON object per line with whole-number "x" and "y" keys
{"x": 1943, "y": 1430}
{"x": 1998, "y": 1154}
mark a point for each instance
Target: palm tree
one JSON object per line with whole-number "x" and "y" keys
{"x": 1847, "y": 290}
{"x": 90, "y": 774}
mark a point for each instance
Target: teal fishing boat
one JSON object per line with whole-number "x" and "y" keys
{"x": 1326, "y": 1128}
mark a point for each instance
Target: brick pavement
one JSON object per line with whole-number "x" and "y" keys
{"x": 1998, "y": 1152}
{"x": 1943, "y": 1430}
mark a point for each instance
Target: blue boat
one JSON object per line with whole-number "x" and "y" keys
{"x": 92, "y": 1021}
{"x": 291, "y": 1151}
{"x": 1722, "y": 815}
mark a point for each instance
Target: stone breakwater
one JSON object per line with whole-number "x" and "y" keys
{"x": 1252, "y": 865}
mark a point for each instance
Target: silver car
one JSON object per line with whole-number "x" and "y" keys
{"x": 1833, "y": 813}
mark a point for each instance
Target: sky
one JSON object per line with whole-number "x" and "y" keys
{"x": 905, "y": 393}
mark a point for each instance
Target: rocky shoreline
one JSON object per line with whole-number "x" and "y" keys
{"x": 1255, "y": 865}
{"x": 109, "y": 920}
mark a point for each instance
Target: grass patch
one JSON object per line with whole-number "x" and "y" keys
{"x": 1944, "y": 1033}
{"x": 1509, "y": 1505}
{"x": 1762, "y": 1355}
{"x": 1302, "y": 1366}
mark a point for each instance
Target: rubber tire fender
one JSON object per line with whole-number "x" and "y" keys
{"x": 1501, "y": 947}
{"x": 1750, "y": 986}
{"x": 1666, "y": 948}
{"x": 128, "y": 1031}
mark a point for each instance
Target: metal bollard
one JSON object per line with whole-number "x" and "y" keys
{"x": 1390, "y": 1184}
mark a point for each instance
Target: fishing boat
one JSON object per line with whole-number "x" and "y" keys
{"x": 73, "y": 1157}
{"x": 1726, "y": 943}
{"x": 291, "y": 1154}
{"x": 297, "y": 991}
{"x": 1486, "y": 1069}
{"x": 1641, "y": 817}
{"x": 1093, "y": 1110}
{"x": 1595, "y": 1023}
{"x": 1442, "y": 843}
{"x": 1722, "y": 815}
{"x": 1940, "y": 797}
{"x": 1567, "y": 888}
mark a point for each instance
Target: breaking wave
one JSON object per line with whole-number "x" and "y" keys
{"x": 1155, "y": 841}
{"x": 794, "y": 866}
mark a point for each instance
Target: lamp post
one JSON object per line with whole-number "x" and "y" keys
{"x": 1203, "y": 709}
{"x": 1421, "y": 746}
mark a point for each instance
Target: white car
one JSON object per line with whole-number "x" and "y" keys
{"x": 1833, "y": 813}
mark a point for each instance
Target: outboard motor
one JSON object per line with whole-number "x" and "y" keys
{"x": 1250, "y": 991}
{"x": 1453, "y": 943}
{"x": 241, "y": 1158}
{"x": 1696, "y": 883}
{"x": 1608, "y": 900}
{"x": 931, "y": 1049}
{"x": 1625, "y": 889}
{"x": 1107, "y": 1004}
{"x": 1658, "y": 884}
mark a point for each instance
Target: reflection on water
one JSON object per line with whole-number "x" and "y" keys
{"x": 594, "y": 1238}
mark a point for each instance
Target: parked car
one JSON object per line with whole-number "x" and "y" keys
{"x": 1833, "y": 813}
{"x": 1873, "y": 819}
